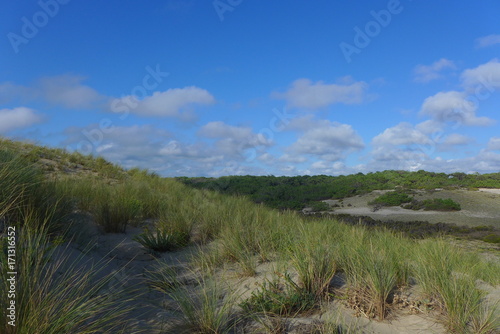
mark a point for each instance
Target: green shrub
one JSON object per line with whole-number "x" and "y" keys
{"x": 492, "y": 238}
{"x": 319, "y": 206}
{"x": 392, "y": 198}
{"x": 436, "y": 204}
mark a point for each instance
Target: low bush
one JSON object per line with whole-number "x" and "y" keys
{"x": 492, "y": 238}
{"x": 392, "y": 198}
{"x": 319, "y": 206}
{"x": 436, "y": 204}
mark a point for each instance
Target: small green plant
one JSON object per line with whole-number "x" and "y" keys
{"x": 281, "y": 296}
{"x": 162, "y": 240}
{"x": 205, "y": 308}
{"x": 393, "y": 198}
{"x": 162, "y": 277}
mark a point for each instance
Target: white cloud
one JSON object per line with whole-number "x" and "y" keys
{"x": 401, "y": 134}
{"x": 176, "y": 102}
{"x": 234, "y": 142}
{"x": 429, "y": 127}
{"x": 326, "y": 140}
{"x": 494, "y": 144}
{"x": 426, "y": 73}
{"x": 453, "y": 106}
{"x": 451, "y": 141}
{"x": 17, "y": 118}
{"x": 64, "y": 90}
{"x": 485, "y": 76}
{"x": 305, "y": 94}
{"x": 486, "y": 41}
{"x": 68, "y": 91}
{"x": 455, "y": 139}
{"x": 293, "y": 158}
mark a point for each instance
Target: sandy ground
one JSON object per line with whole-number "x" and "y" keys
{"x": 155, "y": 313}
{"x": 478, "y": 207}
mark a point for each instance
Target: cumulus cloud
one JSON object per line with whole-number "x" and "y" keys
{"x": 69, "y": 92}
{"x": 17, "y": 118}
{"x": 175, "y": 102}
{"x": 429, "y": 127}
{"x": 401, "y": 147}
{"x": 452, "y": 141}
{"x": 486, "y": 41}
{"x": 127, "y": 145}
{"x": 326, "y": 140}
{"x": 62, "y": 90}
{"x": 485, "y": 77}
{"x": 292, "y": 158}
{"x": 453, "y": 107}
{"x": 233, "y": 140}
{"x": 426, "y": 73}
{"x": 494, "y": 144}
{"x": 401, "y": 134}
{"x": 303, "y": 93}
{"x": 456, "y": 139}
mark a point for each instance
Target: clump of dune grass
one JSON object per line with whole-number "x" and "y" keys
{"x": 206, "y": 308}
{"x": 52, "y": 295}
{"x": 279, "y": 297}
{"x": 449, "y": 275}
{"x": 23, "y": 186}
{"x": 162, "y": 277}
{"x": 314, "y": 257}
{"x": 374, "y": 267}
{"x": 162, "y": 240}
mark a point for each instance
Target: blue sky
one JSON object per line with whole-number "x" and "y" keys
{"x": 210, "y": 88}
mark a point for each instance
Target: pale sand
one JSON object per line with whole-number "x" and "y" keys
{"x": 155, "y": 313}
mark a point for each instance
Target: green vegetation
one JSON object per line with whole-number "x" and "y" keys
{"x": 298, "y": 191}
{"x": 492, "y": 238}
{"x": 282, "y": 297}
{"x": 436, "y": 204}
{"x": 163, "y": 241}
{"x": 319, "y": 206}
{"x": 392, "y": 198}
{"x": 209, "y": 311}
{"x": 229, "y": 231}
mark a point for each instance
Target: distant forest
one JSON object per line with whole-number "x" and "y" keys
{"x": 296, "y": 192}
